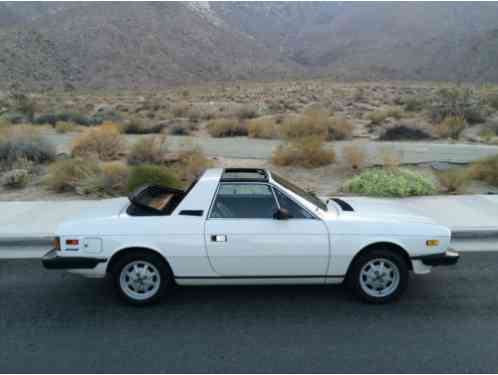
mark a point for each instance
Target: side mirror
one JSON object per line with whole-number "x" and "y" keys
{"x": 281, "y": 214}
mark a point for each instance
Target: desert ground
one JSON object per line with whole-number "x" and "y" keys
{"x": 78, "y": 144}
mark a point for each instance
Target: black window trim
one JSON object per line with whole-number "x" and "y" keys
{"x": 313, "y": 216}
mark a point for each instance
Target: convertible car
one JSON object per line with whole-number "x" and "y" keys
{"x": 249, "y": 226}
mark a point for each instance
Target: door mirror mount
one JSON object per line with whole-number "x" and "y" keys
{"x": 281, "y": 214}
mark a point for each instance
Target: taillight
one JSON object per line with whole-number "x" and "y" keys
{"x": 72, "y": 242}
{"x": 56, "y": 243}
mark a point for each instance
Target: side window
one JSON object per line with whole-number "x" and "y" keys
{"x": 244, "y": 201}
{"x": 295, "y": 211}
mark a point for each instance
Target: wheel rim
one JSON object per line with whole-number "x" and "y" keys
{"x": 379, "y": 277}
{"x": 140, "y": 280}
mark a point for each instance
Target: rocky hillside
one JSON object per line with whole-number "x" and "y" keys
{"x": 147, "y": 44}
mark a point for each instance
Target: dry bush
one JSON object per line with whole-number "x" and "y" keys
{"x": 454, "y": 180}
{"x": 192, "y": 164}
{"x": 105, "y": 142}
{"x": 339, "y": 129}
{"x": 300, "y": 126}
{"x": 180, "y": 109}
{"x": 404, "y": 131}
{"x": 15, "y": 178}
{"x": 68, "y": 175}
{"x": 486, "y": 170}
{"x": 226, "y": 128}
{"x": 355, "y": 155}
{"x": 246, "y": 111}
{"x": 390, "y": 158}
{"x": 377, "y": 117}
{"x": 307, "y": 152}
{"x": 451, "y": 127}
{"x": 110, "y": 181}
{"x": 148, "y": 150}
{"x": 24, "y": 142}
{"x": 264, "y": 128}
{"x": 64, "y": 127}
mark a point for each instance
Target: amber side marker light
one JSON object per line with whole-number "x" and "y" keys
{"x": 432, "y": 242}
{"x": 72, "y": 242}
{"x": 56, "y": 243}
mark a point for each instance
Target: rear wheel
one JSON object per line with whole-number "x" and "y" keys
{"x": 379, "y": 276}
{"x": 142, "y": 278}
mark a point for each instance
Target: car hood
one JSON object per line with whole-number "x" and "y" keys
{"x": 102, "y": 209}
{"x": 379, "y": 209}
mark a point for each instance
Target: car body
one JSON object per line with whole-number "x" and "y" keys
{"x": 249, "y": 226}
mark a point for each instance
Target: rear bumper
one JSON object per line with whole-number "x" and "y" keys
{"x": 53, "y": 261}
{"x": 447, "y": 258}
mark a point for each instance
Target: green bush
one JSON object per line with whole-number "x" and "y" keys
{"x": 151, "y": 174}
{"x": 391, "y": 182}
{"x": 414, "y": 104}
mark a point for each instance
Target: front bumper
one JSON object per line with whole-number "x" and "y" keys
{"x": 53, "y": 261}
{"x": 447, "y": 258}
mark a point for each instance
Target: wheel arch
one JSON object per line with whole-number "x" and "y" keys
{"x": 127, "y": 250}
{"x": 382, "y": 245}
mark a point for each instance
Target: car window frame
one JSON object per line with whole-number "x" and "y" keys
{"x": 272, "y": 189}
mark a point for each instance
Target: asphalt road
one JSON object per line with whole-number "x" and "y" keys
{"x": 55, "y": 322}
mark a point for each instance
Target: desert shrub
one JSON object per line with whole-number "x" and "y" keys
{"x": 403, "y": 132}
{"x": 414, "y": 104}
{"x": 148, "y": 150}
{"x": 246, "y": 111}
{"x": 457, "y": 102}
{"x": 138, "y": 126}
{"x": 377, "y": 117}
{"x": 25, "y": 105}
{"x": 354, "y": 155}
{"x": 396, "y": 182}
{"x": 226, "y": 128}
{"x": 454, "y": 180}
{"x": 21, "y": 142}
{"x": 312, "y": 124}
{"x": 73, "y": 117}
{"x": 192, "y": 163}
{"x": 111, "y": 180}
{"x": 180, "y": 128}
{"x": 104, "y": 142}
{"x": 339, "y": 129}
{"x": 151, "y": 174}
{"x": 15, "y": 179}
{"x": 486, "y": 170}
{"x": 491, "y": 99}
{"x": 69, "y": 175}
{"x": 64, "y": 127}
{"x": 307, "y": 152}
{"x": 264, "y": 128}
{"x": 180, "y": 109}
{"x": 451, "y": 127}
{"x": 14, "y": 118}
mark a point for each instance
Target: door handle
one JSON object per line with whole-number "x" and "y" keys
{"x": 219, "y": 238}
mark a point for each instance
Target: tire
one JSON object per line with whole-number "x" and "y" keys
{"x": 142, "y": 278}
{"x": 379, "y": 276}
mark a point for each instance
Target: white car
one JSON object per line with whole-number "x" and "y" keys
{"x": 249, "y": 226}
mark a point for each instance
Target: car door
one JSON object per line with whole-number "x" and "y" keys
{"x": 244, "y": 239}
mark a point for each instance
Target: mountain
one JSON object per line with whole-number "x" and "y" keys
{"x": 149, "y": 44}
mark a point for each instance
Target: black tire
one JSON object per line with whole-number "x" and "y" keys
{"x": 354, "y": 275}
{"x": 163, "y": 274}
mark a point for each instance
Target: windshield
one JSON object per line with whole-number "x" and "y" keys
{"x": 310, "y": 197}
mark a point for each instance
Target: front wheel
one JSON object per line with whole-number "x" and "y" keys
{"x": 142, "y": 278}
{"x": 379, "y": 276}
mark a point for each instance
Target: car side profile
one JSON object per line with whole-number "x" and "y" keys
{"x": 249, "y": 226}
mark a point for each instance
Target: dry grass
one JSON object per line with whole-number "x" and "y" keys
{"x": 68, "y": 175}
{"x": 228, "y": 127}
{"x": 486, "y": 170}
{"x": 390, "y": 158}
{"x": 192, "y": 164}
{"x": 149, "y": 150}
{"x": 339, "y": 129}
{"x": 263, "y": 128}
{"x": 310, "y": 124}
{"x": 354, "y": 155}
{"x": 65, "y": 127}
{"x": 180, "y": 109}
{"x": 104, "y": 142}
{"x": 454, "y": 180}
{"x": 307, "y": 153}
{"x": 451, "y": 127}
